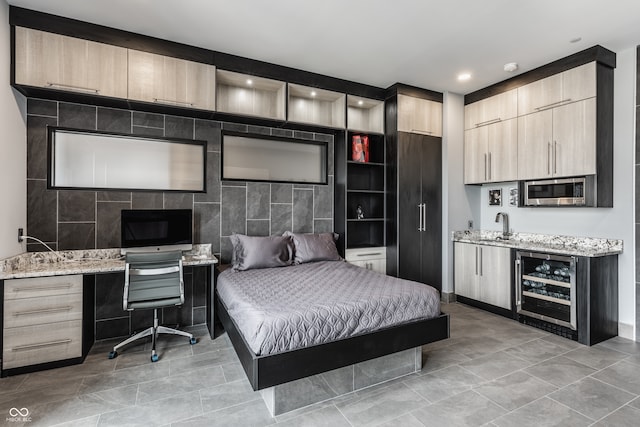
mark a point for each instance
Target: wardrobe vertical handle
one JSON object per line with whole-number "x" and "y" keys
{"x": 419, "y": 216}
{"x": 424, "y": 217}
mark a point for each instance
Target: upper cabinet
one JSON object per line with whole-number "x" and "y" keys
{"x": 249, "y": 95}
{"x": 491, "y": 152}
{"x": 365, "y": 115}
{"x": 316, "y": 106}
{"x": 491, "y": 110}
{"x": 569, "y": 86}
{"x": 66, "y": 63}
{"x": 166, "y": 80}
{"x": 417, "y": 115}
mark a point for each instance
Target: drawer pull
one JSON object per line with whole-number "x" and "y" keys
{"x": 39, "y": 345}
{"x": 370, "y": 254}
{"x": 72, "y": 87}
{"x": 44, "y": 288}
{"x": 45, "y": 311}
{"x": 171, "y": 101}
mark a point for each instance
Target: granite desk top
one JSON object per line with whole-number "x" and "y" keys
{"x": 565, "y": 245}
{"x": 41, "y": 264}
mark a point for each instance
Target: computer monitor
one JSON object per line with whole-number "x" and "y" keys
{"x": 144, "y": 230}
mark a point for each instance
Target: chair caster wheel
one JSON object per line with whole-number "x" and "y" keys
{"x": 192, "y": 341}
{"x": 154, "y": 357}
{"x": 113, "y": 354}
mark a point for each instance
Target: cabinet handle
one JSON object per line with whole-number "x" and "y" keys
{"x": 480, "y": 250}
{"x": 476, "y": 260}
{"x": 488, "y": 122}
{"x": 555, "y": 157}
{"x": 171, "y": 101}
{"x": 553, "y": 104}
{"x": 370, "y": 254}
{"x": 549, "y": 158}
{"x": 45, "y": 311}
{"x": 72, "y": 87}
{"x": 424, "y": 132}
{"x": 44, "y": 288}
{"x": 489, "y": 165}
{"x": 39, "y": 345}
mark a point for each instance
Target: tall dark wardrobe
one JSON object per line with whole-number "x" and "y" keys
{"x": 414, "y": 197}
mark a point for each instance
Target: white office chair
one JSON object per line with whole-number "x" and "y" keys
{"x": 152, "y": 280}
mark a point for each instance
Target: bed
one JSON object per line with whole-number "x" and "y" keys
{"x": 294, "y": 321}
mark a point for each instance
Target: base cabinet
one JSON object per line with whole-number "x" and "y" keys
{"x": 370, "y": 258}
{"x": 483, "y": 273}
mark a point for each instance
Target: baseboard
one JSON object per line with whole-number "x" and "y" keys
{"x": 625, "y": 330}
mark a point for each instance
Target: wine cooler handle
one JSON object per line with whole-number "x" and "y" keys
{"x": 518, "y": 285}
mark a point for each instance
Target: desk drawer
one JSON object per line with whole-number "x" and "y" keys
{"x": 42, "y": 311}
{"x": 42, "y": 287}
{"x": 29, "y": 345}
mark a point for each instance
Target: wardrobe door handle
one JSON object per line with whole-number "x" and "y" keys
{"x": 424, "y": 217}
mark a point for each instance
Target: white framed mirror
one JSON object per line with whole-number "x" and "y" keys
{"x": 108, "y": 161}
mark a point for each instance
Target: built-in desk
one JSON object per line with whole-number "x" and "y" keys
{"x": 54, "y": 306}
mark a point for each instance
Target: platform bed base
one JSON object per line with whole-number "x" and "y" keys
{"x": 271, "y": 370}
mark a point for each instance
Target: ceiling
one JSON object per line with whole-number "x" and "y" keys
{"x": 425, "y": 43}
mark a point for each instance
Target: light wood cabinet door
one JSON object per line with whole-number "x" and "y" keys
{"x": 495, "y": 276}
{"x": 475, "y": 155}
{"x": 535, "y": 141}
{"x": 67, "y": 63}
{"x": 491, "y": 153}
{"x": 416, "y": 115}
{"x": 574, "y": 138}
{"x": 496, "y": 108}
{"x": 539, "y": 95}
{"x": 166, "y": 80}
{"x": 466, "y": 270}
{"x": 579, "y": 83}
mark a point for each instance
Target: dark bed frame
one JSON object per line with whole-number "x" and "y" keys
{"x": 279, "y": 368}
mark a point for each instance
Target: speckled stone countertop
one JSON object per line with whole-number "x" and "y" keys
{"x": 40, "y": 264}
{"x": 566, "y": 245}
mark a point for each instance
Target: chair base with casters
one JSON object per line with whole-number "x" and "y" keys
{"x": 152, "y": 331}
{"x": 152, "y": 280}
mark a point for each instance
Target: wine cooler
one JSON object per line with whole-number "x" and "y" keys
{"x": 546, "y": 289}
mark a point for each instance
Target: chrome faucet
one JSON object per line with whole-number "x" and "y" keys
{"x": 505, "y": 224}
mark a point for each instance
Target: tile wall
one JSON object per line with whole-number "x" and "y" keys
{"x": 76, "y": 219}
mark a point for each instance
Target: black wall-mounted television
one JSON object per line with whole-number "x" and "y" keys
{"x": 146, "y": 230}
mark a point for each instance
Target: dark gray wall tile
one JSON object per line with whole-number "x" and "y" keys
{"x": 113, "y": 328}
{"x": 282, "y": 132}
{"x": 234, "y": 210}
{"x": 148, "y": 119}
{"x": 76, "y": 205}
{"x": 178, "y": 200}
{"x": 206, "y": 220}
{"x": 302, "y": 211}
{"x": 280, "y": 219}
{"x": 143, "y": 200}
{"x": 178, "y": 127}
{"x": 258, "y": 227}
{"x": 236, "y": 127}
{"x": 114, "y": 120}
{"x": 109, "y": 290}
{"x": 325, "y": 137}
{"x": 225, "y": 250}
{"x": 323, "y": 200}
{"x": 76, "y": 236}
{"x": 77, "y": 116}
{"x": 199, "y": 315}
{"x": 213, "y": 180}
{"x": 258, "y": 200}
{"x": 300, "y": 134}
{"x": 206, "y": 130}
{"x": 42, "y": 211}
{"x": 42, "y": 107}
{"x": 259, "y": 130}
{"x": 108, "y": 224}
{"x": 114, "y": 196}
{"x": 37, "y": 247}
{"x": 323, "y": 226}
{"x": 141, "y": 320}
{"x": 281, "y": 193}
{"x": 199, "y": 287}
{"x": 37, "y": 146}
{"x": 141, "y": 130}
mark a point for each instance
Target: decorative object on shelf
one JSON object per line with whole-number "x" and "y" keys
{"x": 359, "y": 212}
{"x": 360, "y": 148}
{"x": 513, "y": 196}
{"x": 495, "y": 197}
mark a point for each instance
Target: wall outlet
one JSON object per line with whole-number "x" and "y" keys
{"x": 470, "y": 224}
{"x": 20, "y": 234}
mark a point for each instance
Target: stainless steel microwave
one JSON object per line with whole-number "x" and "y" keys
{"x": 560, "y": 192}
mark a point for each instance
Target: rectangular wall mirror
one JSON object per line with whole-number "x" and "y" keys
{"x": 264, "y": 158}
{"x": 100, "y": 160}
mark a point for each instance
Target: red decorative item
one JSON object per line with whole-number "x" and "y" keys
{"x": 360, "y": 148}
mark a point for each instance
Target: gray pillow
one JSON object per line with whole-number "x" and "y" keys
{"x": 314, "y": 247}
{"x": 261, "y": 252}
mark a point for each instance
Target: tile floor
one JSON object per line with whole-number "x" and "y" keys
{"x": 492, "y": 372}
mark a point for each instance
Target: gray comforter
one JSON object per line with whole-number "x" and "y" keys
{"x": 285, "y": 308}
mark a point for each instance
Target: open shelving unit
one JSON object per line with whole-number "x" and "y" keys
{"x": 316, "y": 106}
{"x": 248, "y": 95}
{"x": 365, "y": 115}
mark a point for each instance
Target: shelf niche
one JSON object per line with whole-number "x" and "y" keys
{"x": 316, "y": 106}
{"x": 250, "y": 95}
{"x": 365, "y": 115}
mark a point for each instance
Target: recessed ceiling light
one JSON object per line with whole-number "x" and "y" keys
{"x": 249, "y": 82}
{"x": 575, "y": 40}
{"x": 360, "y": 102}
{"x": 511, "y": 67}
{"x": 463, "y": 77}
{"x": 313, "y": 93}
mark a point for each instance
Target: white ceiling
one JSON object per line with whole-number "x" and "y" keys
{"x": 425, "y": 43}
